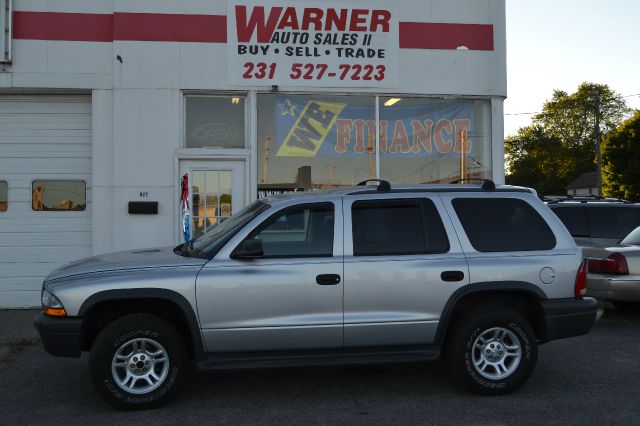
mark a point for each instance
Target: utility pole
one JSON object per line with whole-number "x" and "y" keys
{"x": 598, "y": 154}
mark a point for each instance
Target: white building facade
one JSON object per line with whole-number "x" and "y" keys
{"x": 106, "y": 105}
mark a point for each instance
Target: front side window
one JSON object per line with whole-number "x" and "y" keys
{"x": 215, "y": 122}
{"x": 299, "y": 231}
{"x": 4, "y": 196}
{"x": 503, "y": 224}
{"x": 397, "y": 227}
{"x": 58, "y": 195}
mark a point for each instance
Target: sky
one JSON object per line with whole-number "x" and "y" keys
{"x": 558, "y": 44}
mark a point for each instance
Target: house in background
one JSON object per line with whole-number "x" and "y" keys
{"x": 585, "y": 184}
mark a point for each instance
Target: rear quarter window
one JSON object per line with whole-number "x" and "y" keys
{"x": 503, "y": 224}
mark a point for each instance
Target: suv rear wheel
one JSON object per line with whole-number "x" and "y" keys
{"x": 136, "y": 361}
{"x": 493, "y": 350}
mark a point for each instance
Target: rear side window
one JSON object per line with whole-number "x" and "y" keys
{"x": 612, "y": 221}
{"x": 397, "y": 227}
{"x": 574, "y": 218}
{"x": 503, "y": 224}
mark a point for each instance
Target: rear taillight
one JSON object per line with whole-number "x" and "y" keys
{"x": 580, "y": 288}
{"x": 615, "y": 264}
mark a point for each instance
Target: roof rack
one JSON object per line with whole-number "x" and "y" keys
{"x": 487, "y": 184}
{"x": 383, "y": 185}
{"x": 582, "y": 199}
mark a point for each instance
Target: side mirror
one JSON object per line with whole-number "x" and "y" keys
{"x": 248, "y": 249}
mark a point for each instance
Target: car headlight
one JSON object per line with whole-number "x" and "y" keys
{"x": 51, "y": 305}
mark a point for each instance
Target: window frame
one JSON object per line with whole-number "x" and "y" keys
{"x": 86, "y": 199}
{"x": 296, "y": 207}
{"x": 421, "y": 203}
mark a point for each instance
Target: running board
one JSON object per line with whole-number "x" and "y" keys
{"x": 239, "y": 361}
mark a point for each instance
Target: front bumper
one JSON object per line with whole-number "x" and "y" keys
{"x": 60, "y": 336}
{"x": 568, "y": 317}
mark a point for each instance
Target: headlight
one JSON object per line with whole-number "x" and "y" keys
{"x": 51, "y": 305}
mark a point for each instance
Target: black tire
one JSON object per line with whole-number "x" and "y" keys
{"x": 490, "y": 321}
{"x": 151, "y": 334}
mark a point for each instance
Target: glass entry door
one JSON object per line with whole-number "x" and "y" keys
{"x": 216, "y": 191}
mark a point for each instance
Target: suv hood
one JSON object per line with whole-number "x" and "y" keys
{"x": 161, "y": 257}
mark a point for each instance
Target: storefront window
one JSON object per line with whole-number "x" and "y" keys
{"x": 426, "y": 140}
{"x": 310, "y": 142}
{"x": 313, "y": 141}
{"x": 58, "y": 195}
{"x": 3, "y": 196}
{"x": 215, "y": 122}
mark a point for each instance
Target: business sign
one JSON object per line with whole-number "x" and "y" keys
{"x": 312, "y": 43}
{"x": 5, "y": 30}
{"x": 309, "y": 128}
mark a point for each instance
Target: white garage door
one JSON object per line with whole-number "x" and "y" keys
{"x": 45, "y": 167}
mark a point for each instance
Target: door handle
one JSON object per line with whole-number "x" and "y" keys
{"x": 451, "y": 276}
{"x": 328, "y": 279}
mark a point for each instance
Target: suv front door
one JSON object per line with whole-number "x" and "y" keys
{"x": 290, "y": 298}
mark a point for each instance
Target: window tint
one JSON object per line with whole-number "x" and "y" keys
{"x": 387, "y": 227}
{"x": 612, "y": 221}
{"x": 299, "y": 231}
{"x": 574, "y": 219}
{"x": 4, "y": 197}
{"x": 58, "y": 195}
{"x": 503, "y": 224}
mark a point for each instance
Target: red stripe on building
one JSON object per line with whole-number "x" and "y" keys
{"x": 213, "y": 29}
{"x": 170, "y": 27}
{"x": 62, "y": 26}
{"x": 427, "y": 35}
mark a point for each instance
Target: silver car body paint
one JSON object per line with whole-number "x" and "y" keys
{"x": 276, "y": 304}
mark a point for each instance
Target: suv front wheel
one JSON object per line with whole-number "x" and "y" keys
{"x": 493, "y": 350}
{"x": 136, "y": 361}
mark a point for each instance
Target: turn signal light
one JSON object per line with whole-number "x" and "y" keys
{"x": 580, "y": 287}
{"x": 54, "y": 312}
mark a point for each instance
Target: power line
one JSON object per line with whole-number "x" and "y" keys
{"x": 538, "y": 112}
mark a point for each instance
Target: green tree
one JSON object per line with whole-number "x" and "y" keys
{"x": 621, "y": 158}
{"x": 562, "y": 138}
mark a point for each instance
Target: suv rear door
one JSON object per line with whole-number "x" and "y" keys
{"x": 402, "y": 263}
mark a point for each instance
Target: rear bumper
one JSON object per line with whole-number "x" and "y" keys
{"x": 625, "y": 288}
{"x": 568, "y": 317}
{"x": 60, "y": 336}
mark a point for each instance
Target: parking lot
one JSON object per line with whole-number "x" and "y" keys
{"x": 589, "y": 379}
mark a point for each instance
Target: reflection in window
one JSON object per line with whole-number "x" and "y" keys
{"x": 212, "y": 201}
{"x": 425, "y": 140}
{"x": 314, "y": 142}
{"x": 214, "y": 122}
{"x": 4, "y": 196}
{"x": 58, "y": 195}
{"x": 300, "y": 231}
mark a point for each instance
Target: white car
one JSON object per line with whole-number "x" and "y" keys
{"x": 614, "y": 272}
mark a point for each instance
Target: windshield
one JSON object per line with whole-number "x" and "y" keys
{"x": 633, "y": 238}
{"x": 217, "y": 236}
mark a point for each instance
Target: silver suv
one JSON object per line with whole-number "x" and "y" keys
{"x": 367, "y": 274}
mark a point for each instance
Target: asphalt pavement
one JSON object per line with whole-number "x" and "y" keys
{"x": 593, "y": 379}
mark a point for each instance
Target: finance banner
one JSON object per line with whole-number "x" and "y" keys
{"x": 311, "y": 128}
